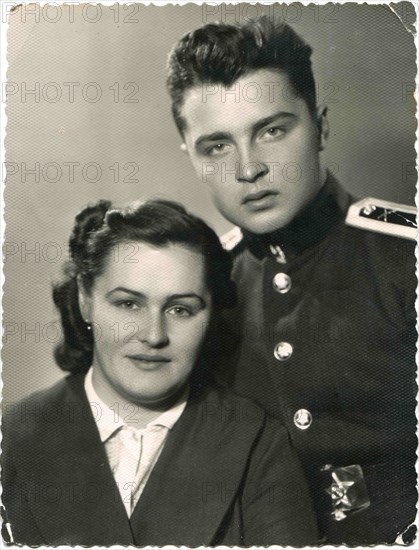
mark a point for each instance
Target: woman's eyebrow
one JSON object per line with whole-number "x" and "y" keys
{"x": 126, "y": 290}
{"x": 173, "y": 297}
{"x": 169, "y": 298}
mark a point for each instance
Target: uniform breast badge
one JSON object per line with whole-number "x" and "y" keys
{"x": 347, "y": 490}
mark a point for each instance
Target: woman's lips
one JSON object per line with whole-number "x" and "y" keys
{"x": 148, "y": 357}
{"x": 148, "y": 361}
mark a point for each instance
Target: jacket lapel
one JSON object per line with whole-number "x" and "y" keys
{"x": 198, "y": 474}
{"x": 70, "y": 485}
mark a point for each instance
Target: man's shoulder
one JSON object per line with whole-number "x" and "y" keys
{"x": 378, "y": 216}
{"x": 384, "y": 234}
{"x": 379, "y": 223}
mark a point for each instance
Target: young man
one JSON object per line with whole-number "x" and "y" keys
{"x": 325, "y": 326}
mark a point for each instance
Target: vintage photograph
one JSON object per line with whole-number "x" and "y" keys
{"x": 209, "y": 324}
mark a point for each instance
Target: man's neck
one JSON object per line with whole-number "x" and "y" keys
{"x": 310, "y": 226}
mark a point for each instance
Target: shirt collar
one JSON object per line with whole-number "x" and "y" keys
{"x": 108, "y": 421}
{"x": 316, "y": 220}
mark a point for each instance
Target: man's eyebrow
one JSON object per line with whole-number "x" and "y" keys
{"x": 273, "y": 118}
{"x": 220, "y": 136}
{"x": 215, "y": 136}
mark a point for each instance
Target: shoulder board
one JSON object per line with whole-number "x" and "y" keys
{"x": 231, "y": 239}
{"x": 385, "y": 217}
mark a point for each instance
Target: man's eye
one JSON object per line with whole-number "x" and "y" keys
{"x": 180, "y": 311}
{"x": 274, "y": 131}
{"x": 216, "y": 149}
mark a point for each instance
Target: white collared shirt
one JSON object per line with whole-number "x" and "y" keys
{"x": 151, "y": 439}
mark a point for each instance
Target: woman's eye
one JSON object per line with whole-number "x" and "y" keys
{"x": 127, "y": 304}
{"x": 179, "y": 311}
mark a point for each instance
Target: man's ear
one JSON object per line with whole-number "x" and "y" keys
{"x": 183, "y": 148}
{"x": 322, "y": 126}
{"x": 84, "y": 301}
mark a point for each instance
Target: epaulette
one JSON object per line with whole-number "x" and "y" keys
{"x": 385, "y": 217}
{"x": 231, "y": 239}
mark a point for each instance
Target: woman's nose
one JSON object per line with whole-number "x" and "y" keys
{"x": 153, "y": 330}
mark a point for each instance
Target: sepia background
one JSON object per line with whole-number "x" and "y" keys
{"x": 89, "y": 117}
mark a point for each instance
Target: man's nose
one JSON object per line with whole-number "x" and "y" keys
{"x": 250, "y": 168}
{"x": 153, "y": 330}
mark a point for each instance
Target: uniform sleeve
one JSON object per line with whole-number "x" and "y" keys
{"x": 276, "y": 505}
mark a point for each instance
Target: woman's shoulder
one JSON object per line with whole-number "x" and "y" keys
{"x": 30, "y": 414}
{"x": 222, "y": 395}
{"x": 224, "y": 405}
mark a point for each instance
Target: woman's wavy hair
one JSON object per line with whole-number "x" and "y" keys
{"x": 98, "y": 230}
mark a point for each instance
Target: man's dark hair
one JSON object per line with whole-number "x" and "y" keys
{"x": 98, "y": 230}
{"x": 220, "y": 53}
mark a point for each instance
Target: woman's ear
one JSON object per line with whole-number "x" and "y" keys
{"x": 85, "y": 302}
{"x": 322, "y": 126}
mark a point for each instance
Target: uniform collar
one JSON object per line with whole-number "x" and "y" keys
{"x": 310, "y": 227}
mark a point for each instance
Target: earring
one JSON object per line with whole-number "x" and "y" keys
{"x": 89, "y": 326}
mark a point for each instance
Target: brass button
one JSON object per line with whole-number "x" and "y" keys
{"x": 283, "y": 351}
{"x": 303, "y": 419}
{"x": 282, "y": 283}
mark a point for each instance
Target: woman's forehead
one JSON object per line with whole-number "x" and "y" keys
{"x": 143, "y": 267}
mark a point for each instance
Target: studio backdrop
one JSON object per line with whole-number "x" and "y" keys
{"x": 88, "y": 117}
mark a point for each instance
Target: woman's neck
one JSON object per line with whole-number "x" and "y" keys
{"x": 132, "y": 413}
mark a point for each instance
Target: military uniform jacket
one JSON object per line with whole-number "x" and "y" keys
{"x": 323, "y": 336}
{"x": 226, "y": 475}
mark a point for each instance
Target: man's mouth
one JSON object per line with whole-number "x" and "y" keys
{"x": 261, "y": 199}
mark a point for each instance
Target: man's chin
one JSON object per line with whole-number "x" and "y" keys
{"x": 264, "y": 226}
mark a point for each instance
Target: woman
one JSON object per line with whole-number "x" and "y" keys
{"x": 136, "y": 446}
